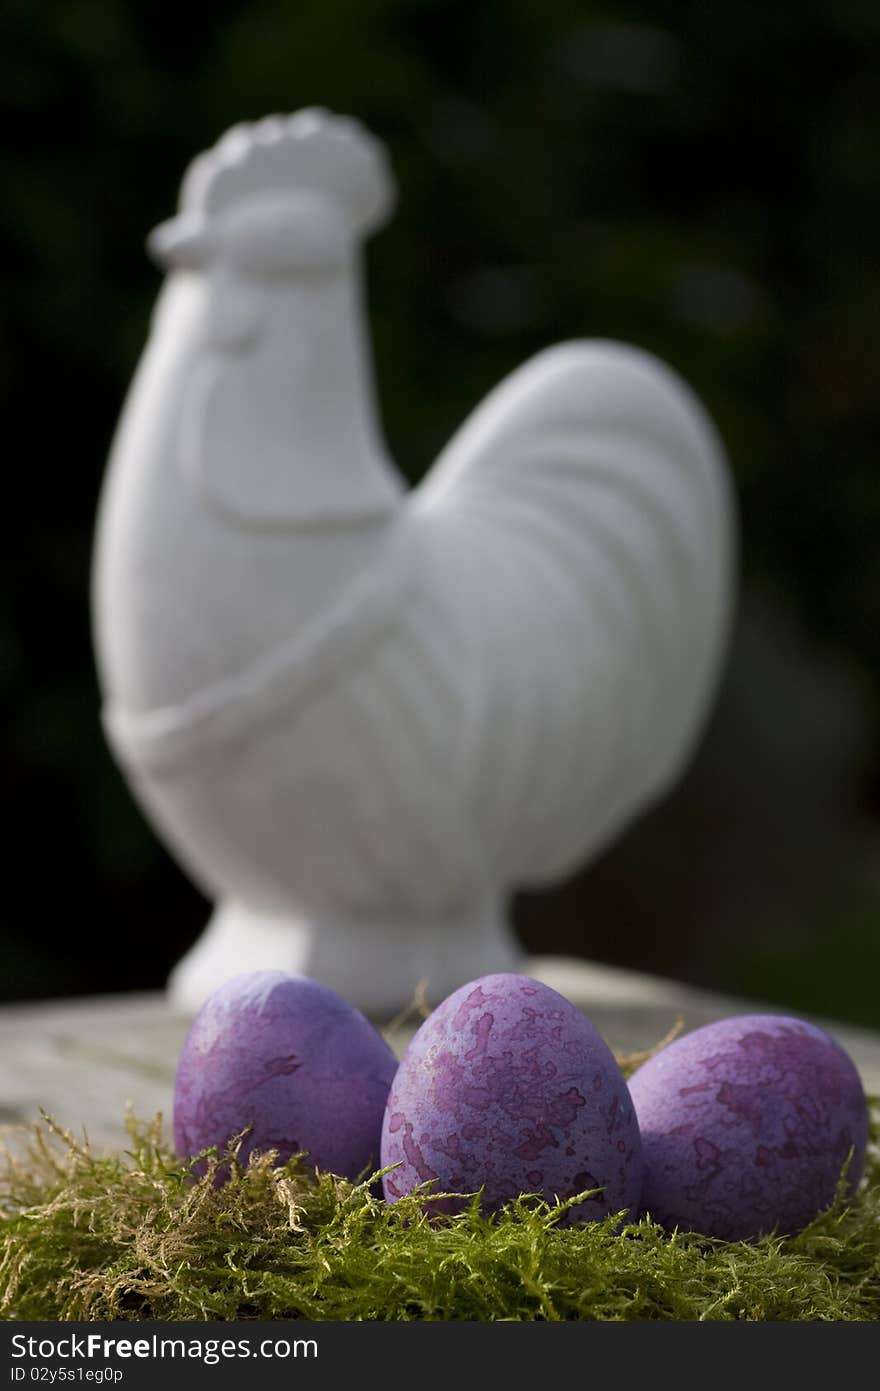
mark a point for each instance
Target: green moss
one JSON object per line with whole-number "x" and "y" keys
{"x": 137, "y": 1237}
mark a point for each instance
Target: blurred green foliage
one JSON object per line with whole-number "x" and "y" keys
{"x": 696, "y": 178}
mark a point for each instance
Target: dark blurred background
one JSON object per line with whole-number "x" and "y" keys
{"x": 700, "y": 179}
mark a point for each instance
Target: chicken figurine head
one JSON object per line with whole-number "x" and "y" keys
{"x": 360, "y": 716}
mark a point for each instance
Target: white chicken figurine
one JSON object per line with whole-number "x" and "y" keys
{"x": 360, "y": 715}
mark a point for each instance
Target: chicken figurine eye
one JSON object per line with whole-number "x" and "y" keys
{"x": 285, "y": 234}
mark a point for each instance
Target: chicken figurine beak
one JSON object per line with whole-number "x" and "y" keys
{"x": 181, "y": 243}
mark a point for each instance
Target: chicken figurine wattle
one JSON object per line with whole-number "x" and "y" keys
{"x": 359, "y": 715}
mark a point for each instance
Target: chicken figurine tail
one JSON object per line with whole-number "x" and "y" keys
{"x": 361, "y": 716}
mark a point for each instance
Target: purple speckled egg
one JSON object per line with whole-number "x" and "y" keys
{"x": 289, "y": 1057}
{"x": 508, "y": 1087}
{"x": 746, "y": 1125}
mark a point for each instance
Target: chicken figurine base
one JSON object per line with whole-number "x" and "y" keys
{"x": 359, "y": 715}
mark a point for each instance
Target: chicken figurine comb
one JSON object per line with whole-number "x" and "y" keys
{"x": 359, "y": 715}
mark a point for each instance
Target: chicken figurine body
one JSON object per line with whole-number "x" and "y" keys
{"x": 361, "y": 715}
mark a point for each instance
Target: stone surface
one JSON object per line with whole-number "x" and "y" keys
{"x": 84, "y": 1060}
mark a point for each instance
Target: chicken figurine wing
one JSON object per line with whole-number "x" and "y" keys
{"x": 358, "y": 715}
